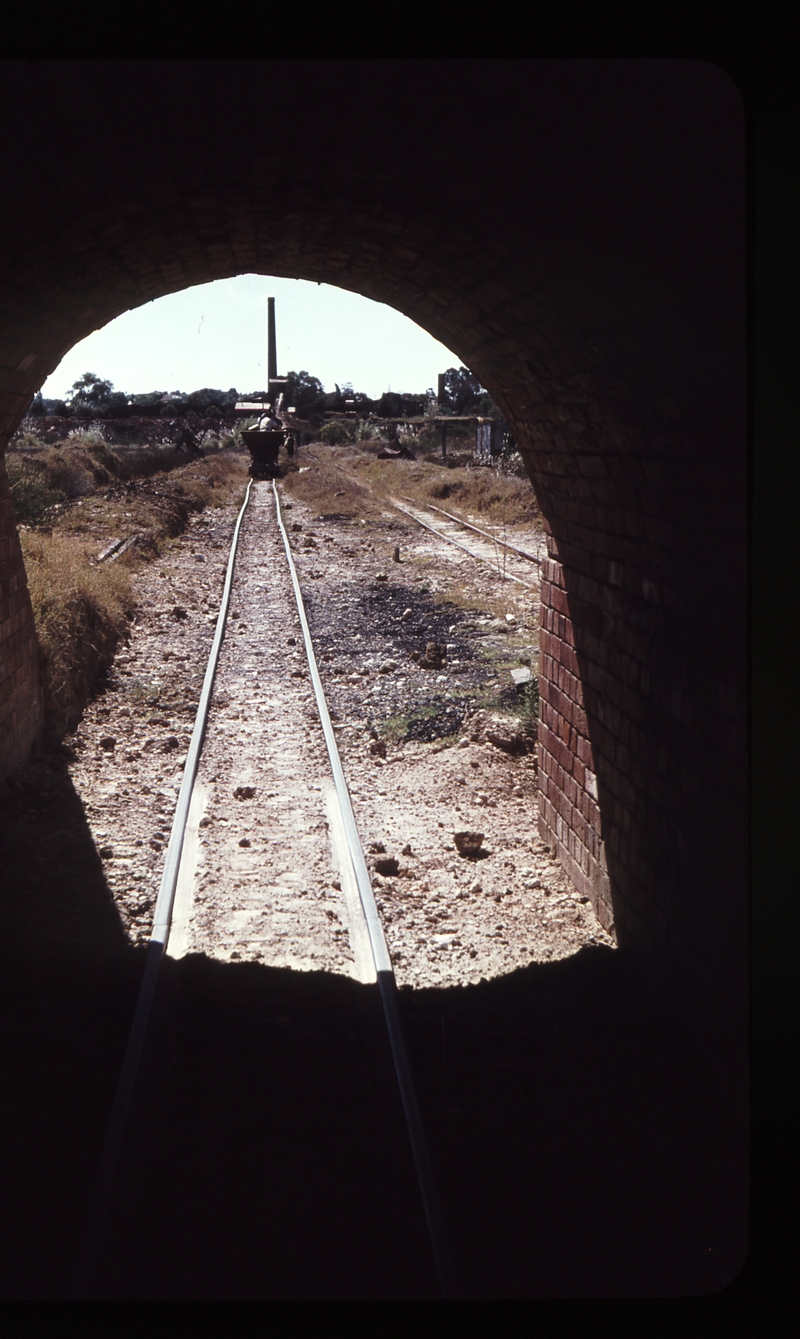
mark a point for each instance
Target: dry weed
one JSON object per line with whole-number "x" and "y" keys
{"x": 80, "y": 613}
{"x": 332, "y": 491}
{"x": 504, "y": 500}
{"x": 80, "y": 608}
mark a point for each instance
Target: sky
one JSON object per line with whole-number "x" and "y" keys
{"x": 216, "y": 335}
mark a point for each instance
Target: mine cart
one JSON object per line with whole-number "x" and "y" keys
{"x": 263, "y": 447}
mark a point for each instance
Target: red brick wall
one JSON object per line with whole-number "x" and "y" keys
{"x": 569, "y": 815}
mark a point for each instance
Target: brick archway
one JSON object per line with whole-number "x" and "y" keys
{"x": 575, "y": 232}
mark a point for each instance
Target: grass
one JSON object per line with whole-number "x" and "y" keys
{"x": 349, "y": 481}
{"x": 499, "y": 498}
{"x": 328, "y": 489}
{"x": 81, "y": 607}
{"x": 395, "y": 728}
{"x": 513, "y": 599}
{"x": 81, "y": 615}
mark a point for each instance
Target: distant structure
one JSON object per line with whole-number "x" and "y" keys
{"x": 275, "y": 384}
{"x": 272, "y": 349}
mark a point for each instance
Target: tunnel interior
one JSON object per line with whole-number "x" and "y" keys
{"x": 592, "y": 275}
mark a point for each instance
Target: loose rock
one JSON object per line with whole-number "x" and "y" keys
{"x": 468, "y": 843}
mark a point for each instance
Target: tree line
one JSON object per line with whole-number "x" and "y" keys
{"x": 92, "y": 397}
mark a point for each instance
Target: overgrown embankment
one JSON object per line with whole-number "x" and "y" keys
{"x": 73, "y": 501}
{"x": 350, "y": 480}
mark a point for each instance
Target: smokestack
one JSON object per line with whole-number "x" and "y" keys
{"x": 272, "y": 355}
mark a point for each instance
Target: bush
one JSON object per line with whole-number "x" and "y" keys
{"x": 68, "y": 472}
{"x": 86, "y": 436}
{"x": 335, "y": 434}
{"x": 31, "y": 496}
{"x": 366, "y": 432}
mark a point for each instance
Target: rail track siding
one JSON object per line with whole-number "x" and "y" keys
{"x": 207, "y": 928}
{"x": 495, "y": 539}
{"x": 477, "y": 548}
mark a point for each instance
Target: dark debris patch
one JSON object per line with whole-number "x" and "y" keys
{"x": 377, "y": 613}
{"x": 441, "y": 725}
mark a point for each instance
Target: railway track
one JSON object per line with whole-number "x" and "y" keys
{"x": 478, "y": 548}
{"x": 476, "y": 529}
{"x": 186, "y": 923}
{"x": 494, "y": 552}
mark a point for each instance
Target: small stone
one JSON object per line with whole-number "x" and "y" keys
{"x": 405, "y": 616}
{"x": 476, "y": 888}
{"x": 387, "y": 865}
{"x": 407, "y": 849}
{"x": 107, "y": 743}
{"x": 244, "y": 841}
{"x": 468, "y": 843}
{"x": 171, "y": 742}
{"x": 204, "y": 822}
{"x": 434, "y": 657}
{"x": 377, "y": 748}
{"x": 382, "y": 576}
{"x": 518, "y": 792}
{"x": 179, "y": 612}
{"x": 396, "y": 554}
{"x": 291, "y": 641}
{"x": 377, "y": 848}
{"x": 244, "y": 792}
{"x": 386, "y": 666}
{"x": 106, "y": 852}
{"x": 510, "y": 619}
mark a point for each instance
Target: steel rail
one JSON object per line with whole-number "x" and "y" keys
{"x": 487, "y": 533}
{"x": 383, "y": 966}
{"x": 104, "y": 1184}
{"x": 507, "y": 576}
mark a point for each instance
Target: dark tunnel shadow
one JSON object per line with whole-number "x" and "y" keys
{"x": 581, "y": 1146}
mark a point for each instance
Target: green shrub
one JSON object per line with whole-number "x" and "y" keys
{"x": 335, "y": 434}
{"x": 86, "y": 436}
{"x": 31, "y": 495}
{"x": 365, "y": 432}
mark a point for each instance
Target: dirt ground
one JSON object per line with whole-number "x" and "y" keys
{"x": 265, "y": 880}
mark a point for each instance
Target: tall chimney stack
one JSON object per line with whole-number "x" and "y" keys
{"x": 272, "y": 355}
